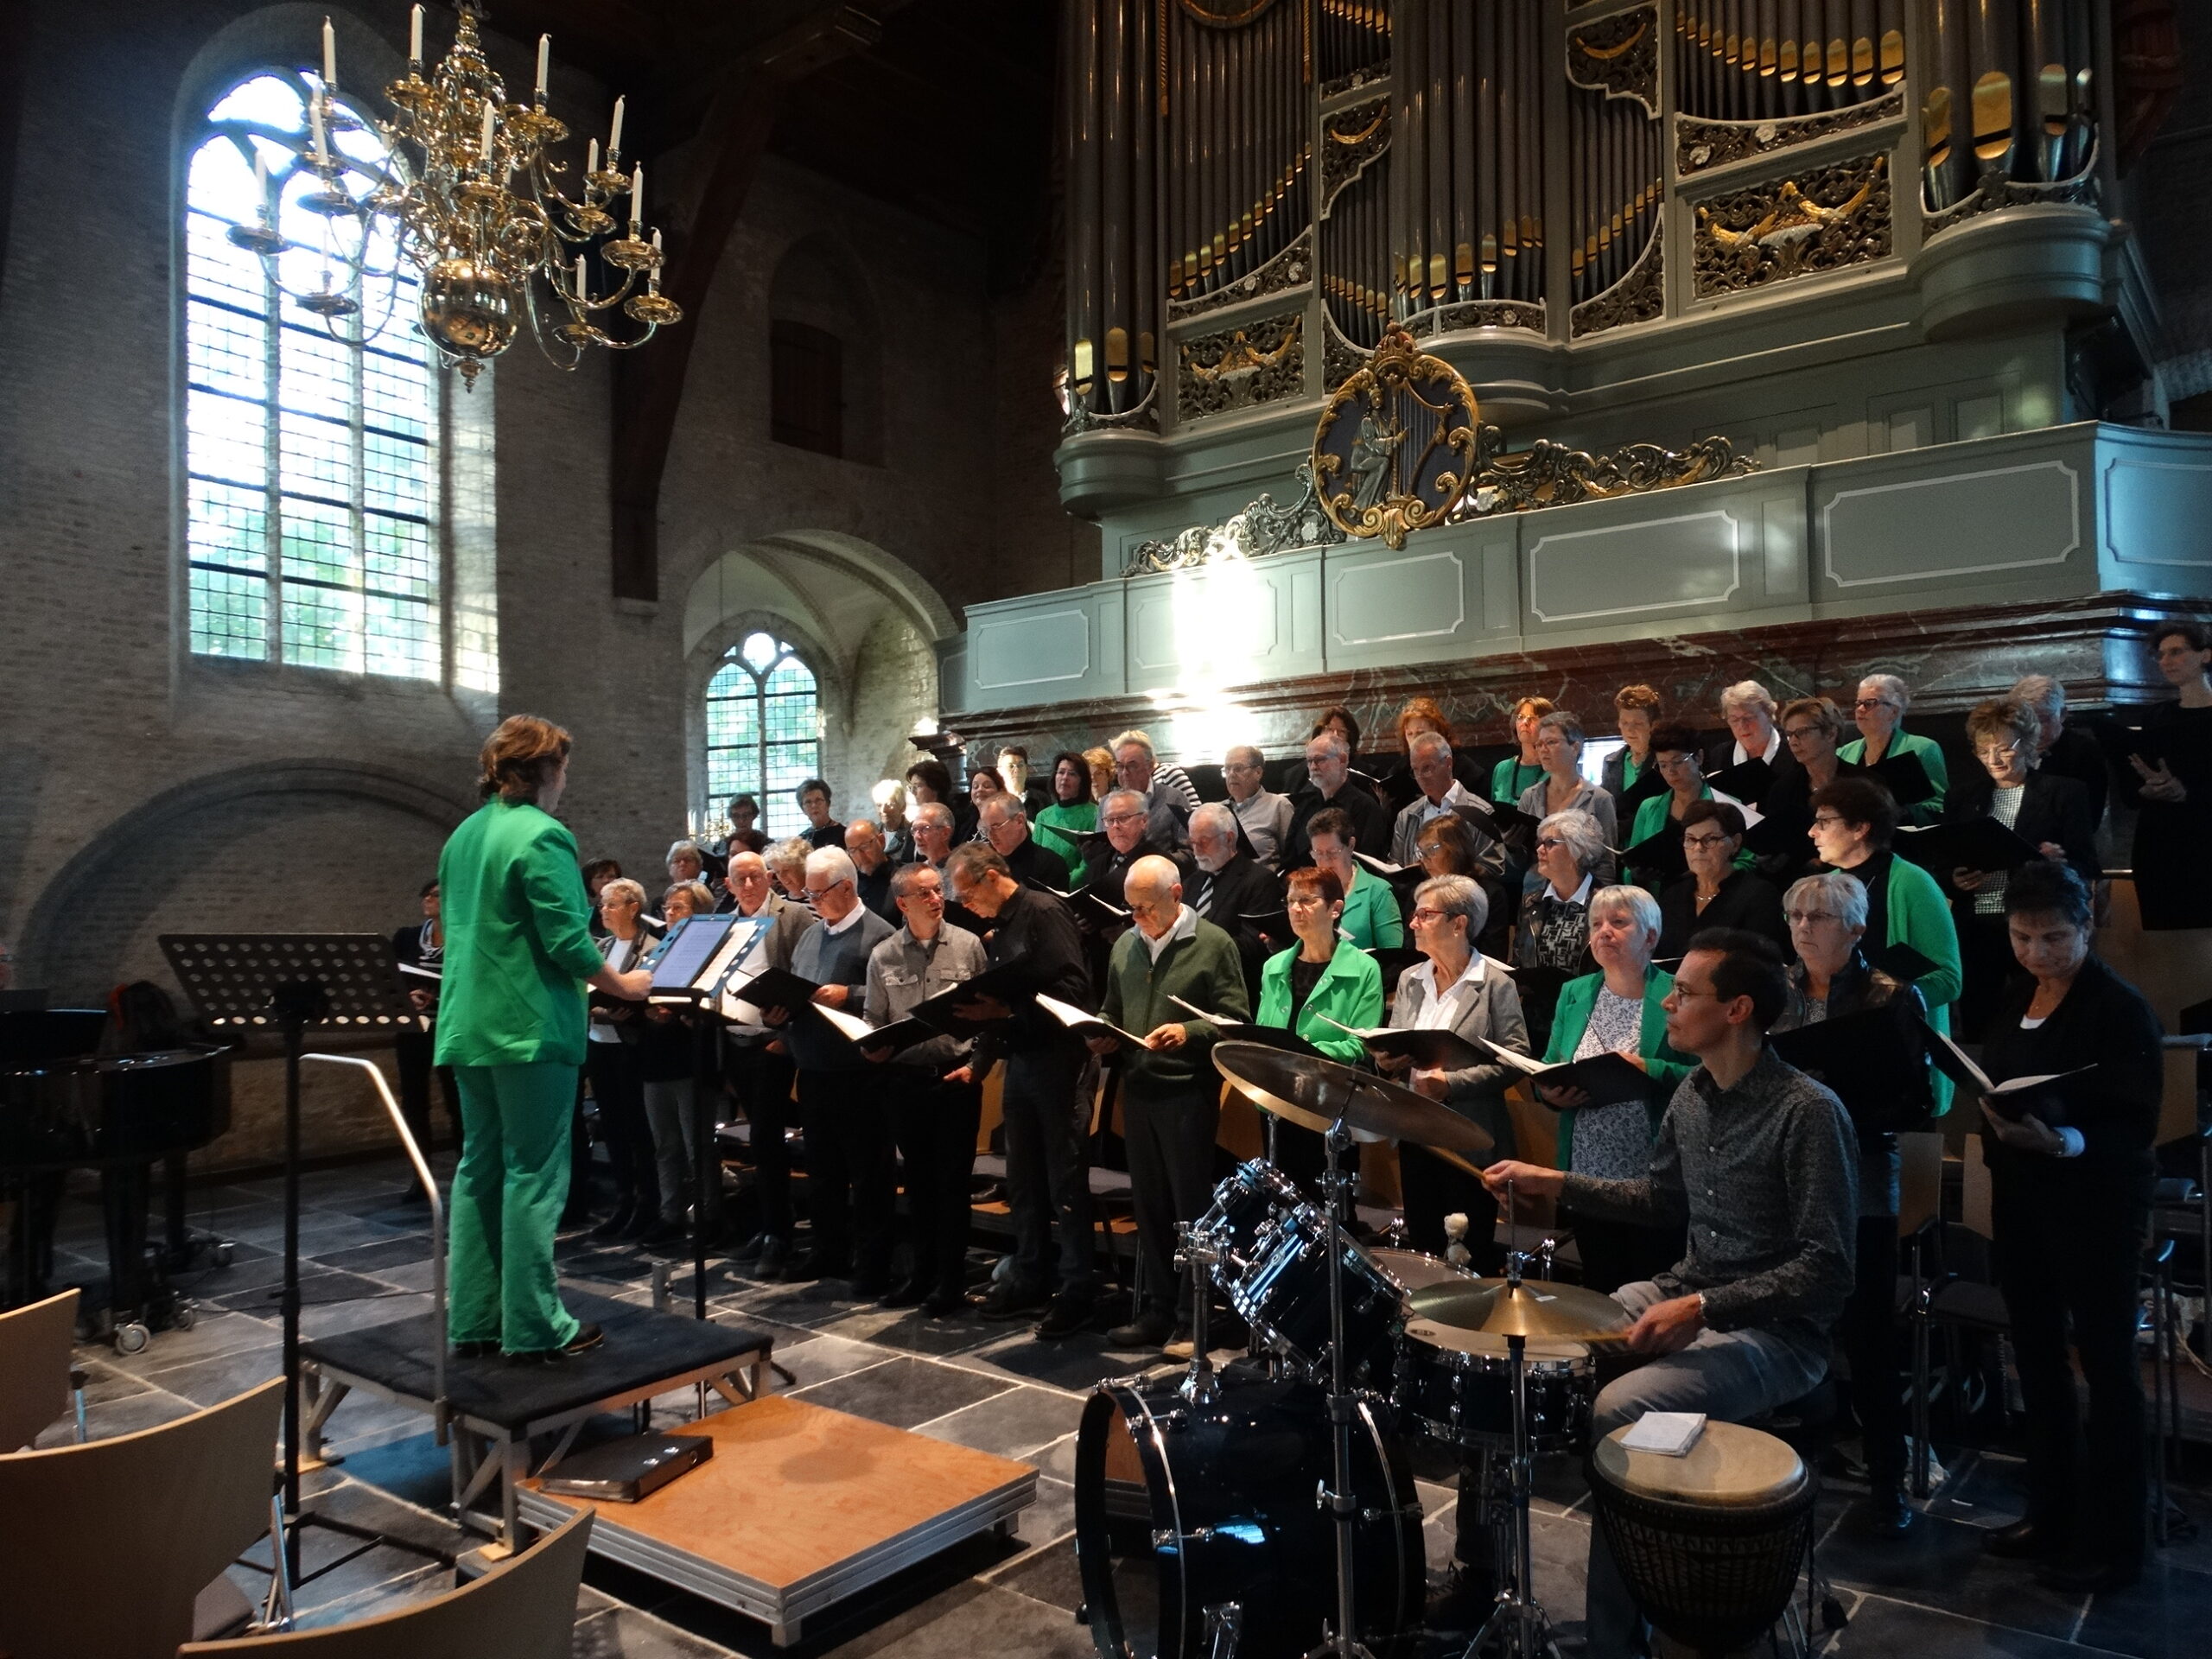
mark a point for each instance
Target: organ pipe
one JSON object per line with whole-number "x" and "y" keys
{"x": 2013, "y": 94}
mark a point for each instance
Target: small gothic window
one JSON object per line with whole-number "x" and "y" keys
{"x": 806, "y": 380}
{"x": 764, "y": 730}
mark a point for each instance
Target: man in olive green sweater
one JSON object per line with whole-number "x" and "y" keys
{"x": 1171, "y": 1096}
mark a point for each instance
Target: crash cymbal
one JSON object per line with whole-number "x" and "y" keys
{"x": 1496, "y": 1309}
{"x": 1315, "y": 1093}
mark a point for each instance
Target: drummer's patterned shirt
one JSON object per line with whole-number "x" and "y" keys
{"x": 1765, "y": 1176}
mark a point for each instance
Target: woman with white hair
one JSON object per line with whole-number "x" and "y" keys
{"x": 1879, "y": 711}
{"x": 1829, "y": 979}
{"x": 1457, "y": 988}
{"x": 1617, "y": 1011}
{"x": 890, "y": 798}
{"x": 1551, "y": 944}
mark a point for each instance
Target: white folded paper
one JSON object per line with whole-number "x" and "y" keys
{"x": 1670, "y": 1433}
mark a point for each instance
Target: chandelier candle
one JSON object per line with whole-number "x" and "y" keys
{"x": 329, "y": 56}
{"x": 414, "y": 39}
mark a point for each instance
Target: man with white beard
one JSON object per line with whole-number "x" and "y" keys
{"x": 1232, "y": 888}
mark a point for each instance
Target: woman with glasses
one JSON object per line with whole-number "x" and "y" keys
{"x": 1854, "y": 819}
{"x": 1879, "y": 711}
{"x": 1370, "y": 917}
{"x": 1452, "y": 846}
{"x": 1714, "y": 891}
{"x": 2069, "y": 1206}
{"x": 614, "y": 1066}
{"x": 1811, "y": 729}
{"x": 1513, "y": 776}
{"x": 2048, "y": 811}
{"x": 1455, "y": 988}
{"x": 1829, "y": 979}
{"x": 1563, "y": 788}
{"x": 1551, "y": 945}
{"x": 1675, "y": 752}
{"x": 1072, "y": 814}
{"x": 1617, "y": 1011}
{"x": 1319, "y": 979}
{"x": 2171, "y": 789}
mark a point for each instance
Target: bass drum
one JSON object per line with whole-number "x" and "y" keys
{"x": 1183, "y": 1513}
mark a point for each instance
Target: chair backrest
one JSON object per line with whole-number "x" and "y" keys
{"x": 34, "y": 1367}
{"x": 1973, "y": 1189}
{"x": 1920, "y": 1178}
{"x": 525, "y": 1608}
{"x": 104, "y": 1545}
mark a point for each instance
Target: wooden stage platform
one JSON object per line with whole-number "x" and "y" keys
{"x": 799, "y": 1508}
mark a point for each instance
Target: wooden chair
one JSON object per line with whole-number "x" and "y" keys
{"x": 525, "y": 1608}
{"x": 35, "y": 1379}
{"x": 105, "y": 1546}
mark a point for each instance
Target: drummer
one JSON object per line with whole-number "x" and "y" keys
{"x": 1761, "y": 1162}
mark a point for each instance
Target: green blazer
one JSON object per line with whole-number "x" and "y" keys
{"x": 1371, "y": 920}
{"x": 518, "y": 946}
{"x": 1509, "y": 779}
{"x": 1919, "y": 915}
{"x": 1058, "y": 826}
{"x": 1350, "y": 992}
{"x": 1576, "y": 998}
{"x": 1931, "y": 762}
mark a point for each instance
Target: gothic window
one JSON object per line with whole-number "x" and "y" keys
{"x": 764, "y": 731}
{"x": 311, "y": 464}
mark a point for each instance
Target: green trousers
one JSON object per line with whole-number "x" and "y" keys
{"x": 507, "y": 1197}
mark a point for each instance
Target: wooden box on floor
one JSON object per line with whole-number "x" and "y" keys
{"x": 799, "y": 1508}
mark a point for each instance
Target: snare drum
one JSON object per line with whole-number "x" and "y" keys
{"x": 1466, "y": 1400}
{"x": 1252, "y": 1196}
{"x": 1284, "y": 1295}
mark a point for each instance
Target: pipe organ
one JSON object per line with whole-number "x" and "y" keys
{"x": 1257, "y": 189}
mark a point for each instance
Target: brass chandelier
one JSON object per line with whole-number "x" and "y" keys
{"x": 468, "y": 193}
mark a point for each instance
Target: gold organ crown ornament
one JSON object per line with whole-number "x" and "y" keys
{"x": 466, "y": 192}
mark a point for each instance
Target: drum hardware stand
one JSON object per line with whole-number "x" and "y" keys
{"x": 1337, "y": 1496}
{"x": 1518, "y": 1624}
{"x": 1225, "y": 1626}
{"x": 1200, "y": 1255}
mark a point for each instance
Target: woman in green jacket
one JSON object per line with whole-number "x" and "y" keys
{"x": 1371, "y": 918}
{"x": 510, "y": 1023}
{"x": 1879, "y": 711}
{"x": 1853, "y": 819}
{"x": 1301, "y": 989}
{"x": 1072, "y": 814}
{"x": 1616, "y": 1010}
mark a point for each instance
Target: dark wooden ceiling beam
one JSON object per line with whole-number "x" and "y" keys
{"x": 734, "y": 132}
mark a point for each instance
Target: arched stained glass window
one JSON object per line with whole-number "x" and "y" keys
{"x": 311, "y": 464}
{"x": 764, "y": 731}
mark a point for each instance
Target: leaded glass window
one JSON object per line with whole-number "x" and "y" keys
{"x": 764, "y": 731}
{"x": 311, "y": 464}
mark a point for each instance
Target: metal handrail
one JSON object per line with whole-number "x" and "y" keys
{"x": 437, "y": 1227}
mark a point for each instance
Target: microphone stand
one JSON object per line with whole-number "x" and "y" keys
{"x": 1337, "y": 1496}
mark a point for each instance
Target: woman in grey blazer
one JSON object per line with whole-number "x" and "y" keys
{"x": 1458, "y": 988}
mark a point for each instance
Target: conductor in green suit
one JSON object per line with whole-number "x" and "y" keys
{"x": 510, "y": 1023}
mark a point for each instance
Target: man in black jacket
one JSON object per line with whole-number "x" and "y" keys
{"x": 1006, "y": 826}
{"x": 1748, "y": 707}
{"x": 1047, "y": 1121}
{"x": 1231, "y": 888}
{"x": 864, "y": 842}
{"x": 1328, "y": 783}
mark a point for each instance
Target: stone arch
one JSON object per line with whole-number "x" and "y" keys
{"x": 866, "y": 622}
{"x": 233, "y": 850}
{"x": 820, "y": 283}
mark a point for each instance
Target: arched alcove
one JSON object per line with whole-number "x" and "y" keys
{"x": 823, "y": 323}
{"x": 862, "y": 621}
{"x": 289, "y": 846}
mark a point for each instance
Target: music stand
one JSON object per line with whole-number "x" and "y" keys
{"x": 245, "y": 984}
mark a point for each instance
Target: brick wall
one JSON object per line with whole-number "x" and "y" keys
{"x": 129, "y": 803}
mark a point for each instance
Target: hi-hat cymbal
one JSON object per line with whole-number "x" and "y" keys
{"x": 1497, "y": 1308}
{"x": 1314, "y": 1094}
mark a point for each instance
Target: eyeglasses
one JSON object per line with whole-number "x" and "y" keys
{"x": 1706, "y": 841}
{"x": 2000, "y": 754}
{"x": 814, "y": 892}
{"x": 1683, "y": 992}
{"x": 1874, "y": 702}
{"x": 1426, "y": 913}
{"x": 1793, "y": 733}
{"x": 1125, "y": 818}
{"x": 1809, "y": 917}
{"x": 1825, "y": 820}
{"x": 1545, "y": 843}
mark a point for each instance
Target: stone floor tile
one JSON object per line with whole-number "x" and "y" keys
{"x": 903, "y": 1391}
